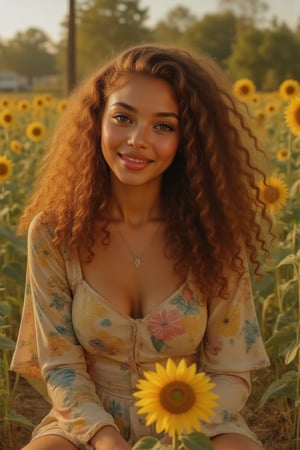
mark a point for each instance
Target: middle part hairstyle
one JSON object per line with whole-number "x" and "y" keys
{"x": 211, "y": 205}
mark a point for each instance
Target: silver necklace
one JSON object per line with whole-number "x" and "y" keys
{"x": 137, "y": 260}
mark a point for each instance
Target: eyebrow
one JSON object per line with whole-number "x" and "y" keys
{"x": 133, "y": 109}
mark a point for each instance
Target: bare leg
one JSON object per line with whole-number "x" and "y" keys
{"x": 50, "y": 443}
{"x": 234, "y": 442}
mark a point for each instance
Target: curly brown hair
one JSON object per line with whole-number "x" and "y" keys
{"x": 211, "y": 203}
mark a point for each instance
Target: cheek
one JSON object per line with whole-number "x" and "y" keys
{"x": 111, "y": 141}
{"x": 168, "y": 149}
{"x": 110, "y": 137}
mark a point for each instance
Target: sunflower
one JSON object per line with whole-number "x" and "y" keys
{"x": 176, "y": 398}
{"x": 48, "y": 98}
{"x": 36, "y": 131}
{"x": 6, "y": 118}
{"x": 5, "y": 168}
{"x": 260, "y": 115}
{"x": 282, "y": 154}
{"x": 4, "y": 102}
{"x": 15, "y": 146}
{"x": 273, "y": 193}
{"x": 292, "y": 115}
{"x": 228, "y": 323}
{"x": 244, "y": 89}
{"x": 255, "y": 99}
{"x": 23, "y": 105}
{"x": 259, "y": 119}
{"x": 271, "y": 108}
{"x": 39, "y": 101}
{"x": 61, "y": 106}
{"x": 289, "y": 89}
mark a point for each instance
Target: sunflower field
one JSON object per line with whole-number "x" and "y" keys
{"x": 25, "y": 126}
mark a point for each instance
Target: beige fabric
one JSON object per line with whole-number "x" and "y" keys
{"x": 91, "y": 355}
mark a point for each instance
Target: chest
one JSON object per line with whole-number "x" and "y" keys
{"x": 134, "y": 289}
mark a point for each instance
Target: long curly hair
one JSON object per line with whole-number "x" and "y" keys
{"x": 211, "y": 200}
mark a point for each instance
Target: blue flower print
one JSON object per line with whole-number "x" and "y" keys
{"x": 106, "y": 322}
{"x": 229, "y": 416}
{"x": 186, "y": 308}
{"x": 61, "y": 377}
{"x": 251, "y": 332}
{"x": 58, "y": 302}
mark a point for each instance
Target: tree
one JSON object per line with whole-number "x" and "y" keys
{"x": 213, "y": 35}
{"x": 71, "y": 49}
{"x": 105, "y": 26}
{"x": 251, "y": 12}
{"x": 245, "y": 60}
{"x": 29, "y": 53}
{"x": 280, "y": 49}
{"x": 171, "y": 29}
{"x": 266, "y": 56}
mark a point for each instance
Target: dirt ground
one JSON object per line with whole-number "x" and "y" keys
{"x": 268, "y": 422}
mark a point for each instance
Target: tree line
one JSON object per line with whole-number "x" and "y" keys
{"x": 237, "y": 36}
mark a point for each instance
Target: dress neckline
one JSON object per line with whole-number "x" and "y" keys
{"x": 111, "y": 305}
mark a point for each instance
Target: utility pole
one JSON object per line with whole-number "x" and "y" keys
{"x": 71, "y": 48}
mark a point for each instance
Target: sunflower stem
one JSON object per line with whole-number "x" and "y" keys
{"x": 175, "y": 441}
{"x": 297, "y": 430}
{"x": 289, "y": 162}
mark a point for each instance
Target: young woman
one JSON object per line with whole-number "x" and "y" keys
{"x": 141, "y": 225}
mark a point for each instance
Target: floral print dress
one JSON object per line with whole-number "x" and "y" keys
{"x": 90, "y": 355}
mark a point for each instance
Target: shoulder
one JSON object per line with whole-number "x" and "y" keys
{"x": 40, "y": 233}
{"x": 41, "y": 236}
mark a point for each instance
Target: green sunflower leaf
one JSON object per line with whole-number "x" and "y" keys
{"x": 195, "y": 441}
{"x": 6, "y": 343}
{"x": 145, "y": 443}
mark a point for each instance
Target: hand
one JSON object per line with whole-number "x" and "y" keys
{"x": 108, "y": 438}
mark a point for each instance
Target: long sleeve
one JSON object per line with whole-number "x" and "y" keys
{"x": 233, "y": 346}
{"x": 47, "y": 345}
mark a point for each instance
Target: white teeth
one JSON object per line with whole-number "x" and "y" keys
{"x": 139, "y": 161}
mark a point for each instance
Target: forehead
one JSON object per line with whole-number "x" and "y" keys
{"x": 135, "y": 88}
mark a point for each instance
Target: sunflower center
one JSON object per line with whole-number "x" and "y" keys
{"x": 177, "y": 397}
{"x": 244, "y": 90}
{"x": 36, "y": 131}
{"x": 3, "y": 169}
{"x": 271, "y": 194}
{"x": 7, "y": 118}
{"x": 297, "y": 115}
{"x": 290, "y": 90}
{"x": 260, "y": 116}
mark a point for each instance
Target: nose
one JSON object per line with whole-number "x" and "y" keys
{"x": 138, "y": 137}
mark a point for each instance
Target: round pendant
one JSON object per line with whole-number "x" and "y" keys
{"x": 137, "y": 262}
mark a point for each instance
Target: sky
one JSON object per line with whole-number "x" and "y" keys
{"x": 19, "y": 15}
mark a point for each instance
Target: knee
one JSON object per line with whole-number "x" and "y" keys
{"x": 234, "y": 442}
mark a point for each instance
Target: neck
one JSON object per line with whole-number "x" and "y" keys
{"x": 135, "y": 206}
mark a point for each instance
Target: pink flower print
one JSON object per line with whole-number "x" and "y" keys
{"x": 166, "y": 325}
{"x": 213, "y": 345}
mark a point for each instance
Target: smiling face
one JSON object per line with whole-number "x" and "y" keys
{"x": 140, "y": 130}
